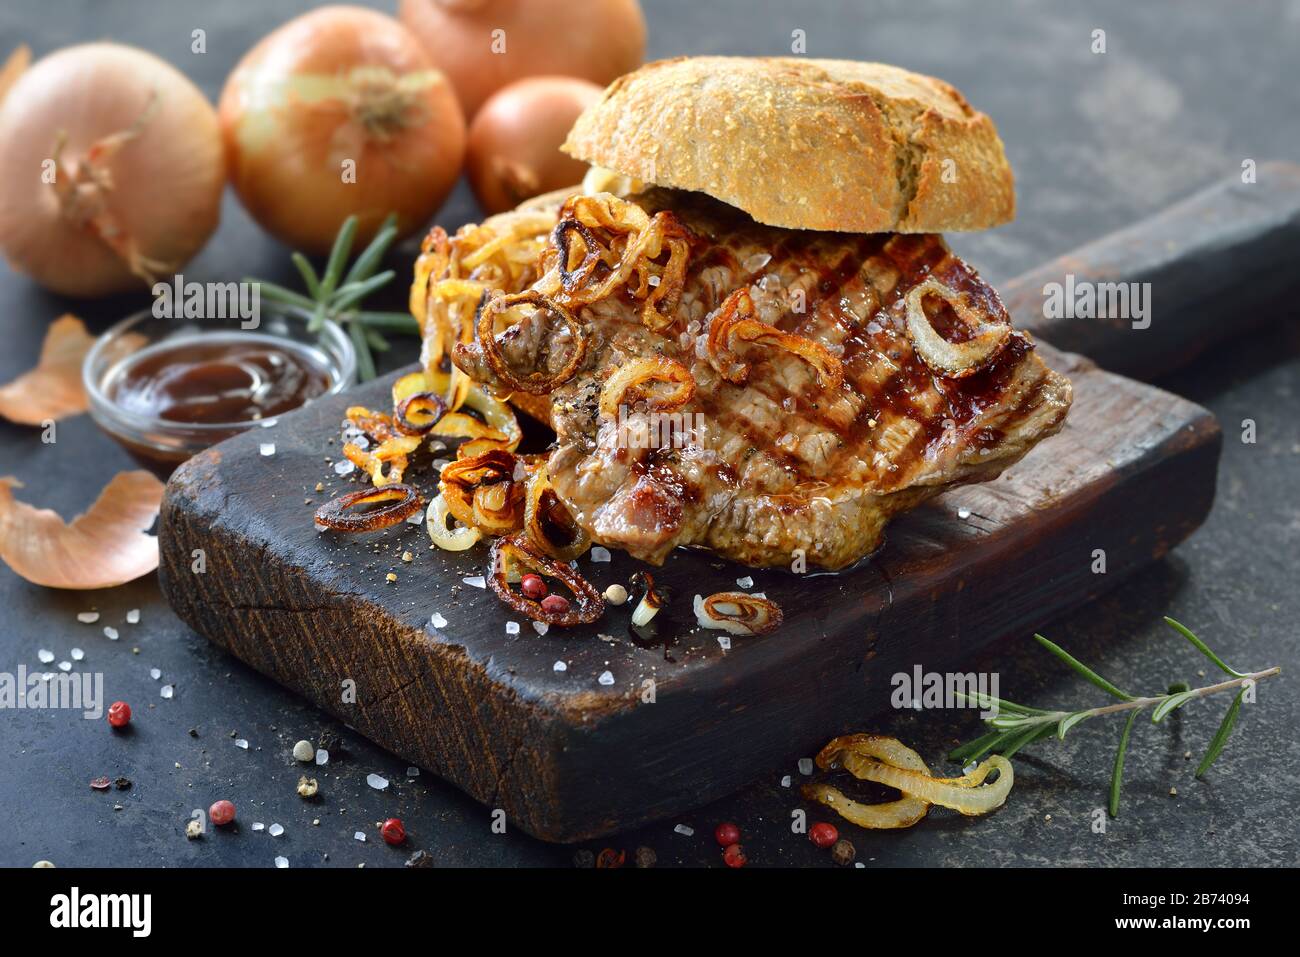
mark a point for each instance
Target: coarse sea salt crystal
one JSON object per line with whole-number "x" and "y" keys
{"x": 412, "y": 772}
{"x": 745, "y": 582}
{"x": 45, "y": 656}
{"x": 282, "y": 862}
{"x": 275, "y": 830}
{"x": 724, "y": 642}
{"x": 169, "y": 691}
{"x": 110, "y": 633}
{"x": 416, "y": 519}
{"x": 683, "y": 830}
{"x": 786, "y": 781}
{"x": 805, "y": 766}
{"x": 344, "y": 467}
{"x": 438, "y": 621}
{"x": 241, "y": 743}
{"x": 475, "y": 581}
{"x": 65, "y": 665}
{"x": 599, "y": 554}
{"x": 268, "y": 423}
{"x": 322, "y": 756}
{"x": 377, "y": 781}
{"x": 155, "y": 673}
{"x": 133, "y": 616}
{"x": 259, "y": 826}
{"x": 267, "y": 448}
{"x": 756, "y": 262}
{"x": 559, "y": 666}
{"x": 359, "y": 836}
{"x": 87, "y": 617}
{"x": 541, "y": 627}
{"x": 512, "y": 628}
{"x": 963, "y": 513}
{"x": 76, "y": 654}
{"x": 606, "y": 678}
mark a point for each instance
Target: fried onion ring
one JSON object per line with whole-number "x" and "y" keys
{"x": 738, "y": 613}
{"x": 546, "y": 519}
{"x": 891, "y": 814}
{"x": 516, "y": 550}
{"x": 403, "y": 500}
{"x": 449, "y": 539}
{"x": 634, "y": 379}
{"x": 534, "y": 383}
{"x": 429, "y": 407}
{"x": 461, "y": 481}
{"x": 953, "y": 360}
{"x": 736, "y": 320}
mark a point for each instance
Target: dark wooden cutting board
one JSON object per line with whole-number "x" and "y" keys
{"x": 567, "y": 757}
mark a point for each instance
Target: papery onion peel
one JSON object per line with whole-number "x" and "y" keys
{"x": 53, "y": 389}
{"x": 105, "y": 546}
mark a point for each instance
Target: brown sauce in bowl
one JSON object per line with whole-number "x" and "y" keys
{"x": 218, "y": 378}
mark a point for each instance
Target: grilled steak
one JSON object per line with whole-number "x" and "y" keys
{"x": 781, "y": 401}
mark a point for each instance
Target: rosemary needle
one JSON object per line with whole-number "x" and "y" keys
{"x": 1015, "y": 726}
{"x": 335, "y": 297}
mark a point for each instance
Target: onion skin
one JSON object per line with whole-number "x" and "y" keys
{"x": 514, "y": 141}
{"x": 596, "y": 40}
{"x": 294, "y": 110}
{"x": 167, "y": 180}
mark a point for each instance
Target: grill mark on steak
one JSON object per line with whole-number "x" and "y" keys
{"x": 783, "y": 465}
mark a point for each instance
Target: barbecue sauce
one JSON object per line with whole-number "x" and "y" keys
{"x": 218, "y": 379}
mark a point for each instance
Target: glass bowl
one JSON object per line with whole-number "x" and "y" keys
{"x": 162, "y": 444}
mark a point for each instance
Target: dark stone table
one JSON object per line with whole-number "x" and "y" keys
{"x": 1183, "y": 94}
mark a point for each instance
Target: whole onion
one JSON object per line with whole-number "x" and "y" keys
{"x": 514, "y": 141}
{"x": 484, "y": 45}
{"x": 337, "y": 113}
{"x": 111, "y": 170}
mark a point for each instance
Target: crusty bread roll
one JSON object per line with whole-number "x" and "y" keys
{"x": 805, "y": 144}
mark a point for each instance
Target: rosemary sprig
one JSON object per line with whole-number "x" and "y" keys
{"x": 336, "y": 297}
{"x": 1015, "y": 725}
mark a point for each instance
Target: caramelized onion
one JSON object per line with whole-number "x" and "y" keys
{"x": 738, "y": 612}
{"x": 545, "y": 514}
{"x": 735, "y": 320}
{"x": 967, "y": 794}
{"x": 403, "y": 502}
{"x": 429, "y": 407}
{"x": 449, "y": 539}
{"x": 497, "y": 509}
{"x": 535, "y": 383}
{"x": 954, "y": 360}
{"x": 634, "y": 379}
{"x": 892, "y": 814}
{"x": 635, "y": 241}
{"x": 392, "y": 451}
{"x": 516, "y": 551}
{"x": 461, "y": 481}
{"x": 651, "y": 602}
{"x": 885, "y": 816}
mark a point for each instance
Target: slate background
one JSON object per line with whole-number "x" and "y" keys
{"x": 1184, "y": 93}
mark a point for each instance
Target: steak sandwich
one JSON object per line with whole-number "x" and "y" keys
{"x": 746, "y": 330}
